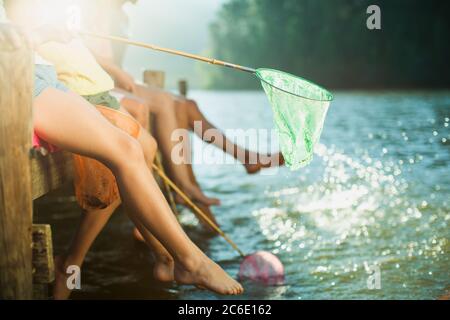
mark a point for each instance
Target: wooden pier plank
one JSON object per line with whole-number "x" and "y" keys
{"x": 43, "y": 265}
{"x": 50, "y": 172}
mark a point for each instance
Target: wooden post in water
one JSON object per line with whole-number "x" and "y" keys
{"x": 183, "y": 88}
{"x": 16, "y": 76}
{"x": 157, "y": 79}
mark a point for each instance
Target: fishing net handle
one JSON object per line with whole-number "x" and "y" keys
{"x": 155, "y": 167}
{"x": 197, "y": 209}
{"x": 170, "y": 51}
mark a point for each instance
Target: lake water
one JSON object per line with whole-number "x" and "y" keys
{"x": 374, "y": 202}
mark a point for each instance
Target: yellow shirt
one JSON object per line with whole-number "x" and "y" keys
{"x": 76, "y": 67}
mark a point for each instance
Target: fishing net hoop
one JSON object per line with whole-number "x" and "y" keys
{"x": 300, "y": 107}
{"x": 325, "y": 91}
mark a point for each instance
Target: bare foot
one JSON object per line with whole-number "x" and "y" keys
{"x": 252, "y": 168}
{"x": 60, "y": 290}
{"x": 204, "y": 273}
{"x": 276, "y": 160}
{"x": 196, "y": 194}
{"x": 164, "y": 269}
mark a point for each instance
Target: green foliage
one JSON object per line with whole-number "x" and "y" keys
{"x": 329, "y": 43}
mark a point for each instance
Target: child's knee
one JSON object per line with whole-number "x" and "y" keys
{"x": 132, "y": 149}
{"x": 168, "y": 106}
{"x": 139, "y": 110}
{"x": 126, "y": 151}
{"x": 142, "y": 115}
{"x": 193, "y": 112}
{"x": 153, "y": 145}
{"x": 193, "y": 109}
{"x": 150, "y": 147}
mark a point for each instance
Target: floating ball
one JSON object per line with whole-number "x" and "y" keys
{"x": 263, "y": 267}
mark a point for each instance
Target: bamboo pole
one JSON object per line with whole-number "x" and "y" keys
{"x": 16, "y": 215}
{"x": 197, "y": 209}
{"x": 167, "y": 190}
{"x": 170, "y": 51}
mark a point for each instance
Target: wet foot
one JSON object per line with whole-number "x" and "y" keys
{"x": 60, "y": 290}
{"x": 204, "y": 273}
{"x": 196, "y": 195}
{"x": 275, "y": 160}
{"x": 197, "y": 199}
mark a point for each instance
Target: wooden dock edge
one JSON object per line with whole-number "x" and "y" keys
{"x": 26, "y": 259}
{"x": 16, "y": 213}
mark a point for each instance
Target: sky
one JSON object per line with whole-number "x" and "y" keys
{"x": 177, "y": 24}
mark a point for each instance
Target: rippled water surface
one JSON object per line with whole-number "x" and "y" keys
{"x": 375, "y": 198}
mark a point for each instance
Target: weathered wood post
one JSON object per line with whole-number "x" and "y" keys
{"x": 183, "y": 88}
{"x": 16, "y": 76}
{"x": 157, "y": 79}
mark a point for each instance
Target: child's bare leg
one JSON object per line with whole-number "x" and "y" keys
{"x": 138, "y": 109}
{"x": 188, "y": 166}
{"x": 91, "y": 224}
{"x": 161, "y": 105}
{"x": 149, "y": 146}
{"x": 253, "y": 162}
{"x": 70, "y": 123}
{"x": 163, "y": 269}
{"x": 164, "y": 263}
{"x": 206, "y": 209}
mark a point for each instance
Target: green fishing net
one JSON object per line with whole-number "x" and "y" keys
{"x": 299, "y": 108}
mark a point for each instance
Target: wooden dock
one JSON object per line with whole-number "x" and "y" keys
{"x": 26, "y": 254}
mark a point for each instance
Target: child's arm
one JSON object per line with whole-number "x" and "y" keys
{"x": 122, "y": 79}
{"x": 103, "y": 51}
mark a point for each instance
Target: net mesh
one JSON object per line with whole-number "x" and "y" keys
{"x": 299, "y": 108}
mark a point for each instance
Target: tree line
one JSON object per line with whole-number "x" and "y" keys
{"x": 328, "y": 41}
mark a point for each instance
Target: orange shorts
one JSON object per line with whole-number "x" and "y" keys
{"x": 95, "y": 184}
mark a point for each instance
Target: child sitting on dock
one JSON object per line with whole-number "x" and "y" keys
{"x": 69, "y": 122}
{"x": 108, "y": 16}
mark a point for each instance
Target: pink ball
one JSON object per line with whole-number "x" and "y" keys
{"x": 263, "y": 267}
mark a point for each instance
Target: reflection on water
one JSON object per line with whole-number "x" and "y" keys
{"x": 376, "y": 194}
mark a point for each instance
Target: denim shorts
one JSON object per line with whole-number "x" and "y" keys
{"x": 45, "y": 77}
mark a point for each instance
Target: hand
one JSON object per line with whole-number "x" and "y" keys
{"x": 125, "y": 81}
{"x": 10, "y": 36}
